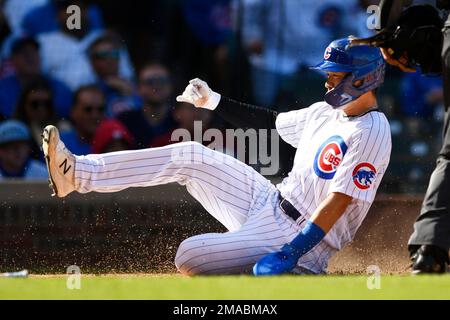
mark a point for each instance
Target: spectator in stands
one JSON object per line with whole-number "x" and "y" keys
{"x": 87, "y": 113}
{"x": 27, "y": 65}
{"x": 154, "y": 119}
{"x": 192, "y": 121}
{"x": 110, "y": 136}
{"x": 15, "y": 159}
{"x": 45, "y": 17}
{"x": 35, "y": 109}
{"x": 186, "y": 116}
{"x": 5, "y": 35}
{"x": 200, "y": 39}
{"x": 17, "y": 10}
{"x": 281, "y": 37}
{"x": 64, "y": 51}
{"x": 361, "y": 17}
{"x": 104, "y": 54}
{"x": 421, "y": 96}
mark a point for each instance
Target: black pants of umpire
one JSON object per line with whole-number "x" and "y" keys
{"x": 432, "y": 227}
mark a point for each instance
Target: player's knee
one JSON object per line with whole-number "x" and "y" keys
{"x": 185, "y": 260}
{"x": 191, "y": 144}
{"x": 189, "y": 152}
{"x": 193, "y": 155}
{"x": 186, "y": 156}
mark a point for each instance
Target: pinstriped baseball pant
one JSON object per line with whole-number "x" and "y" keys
{"x": 235, "y": 194}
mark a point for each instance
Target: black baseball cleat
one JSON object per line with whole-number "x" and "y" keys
{"x": 60, "y": 163}
{"x": 429, "y": 259}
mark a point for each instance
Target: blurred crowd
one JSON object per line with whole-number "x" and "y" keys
{"x": 111, "y": 84}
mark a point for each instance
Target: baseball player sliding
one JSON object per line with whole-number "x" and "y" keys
{"x": 343, "y": 149}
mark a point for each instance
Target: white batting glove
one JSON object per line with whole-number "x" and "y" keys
{"x": 200, "y": 95}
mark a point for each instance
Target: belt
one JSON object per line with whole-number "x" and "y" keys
{"x": 290, "y": 210}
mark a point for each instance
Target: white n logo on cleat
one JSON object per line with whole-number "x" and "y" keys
{"x": 66, "y": 169}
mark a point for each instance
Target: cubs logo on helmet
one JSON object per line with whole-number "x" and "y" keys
{"x": 329, "y": 157}
{"x": 327, "y": 54}
{"x": 363, "y": 63}
{"x": 364, "y": 175}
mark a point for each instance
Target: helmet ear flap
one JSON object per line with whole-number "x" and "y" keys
{"x": 346, "y": 91}
{"x": 340, "y": 96}
{"x": 358, "y": 83}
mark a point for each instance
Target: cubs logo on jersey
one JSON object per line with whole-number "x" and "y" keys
{"x": 329, "y": 157}
{"x": 364, "y": 175}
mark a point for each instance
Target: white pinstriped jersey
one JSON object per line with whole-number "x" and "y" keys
{"x": 335, "y": 153}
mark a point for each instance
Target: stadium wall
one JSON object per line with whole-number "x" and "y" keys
{"x": 139, "y": 230}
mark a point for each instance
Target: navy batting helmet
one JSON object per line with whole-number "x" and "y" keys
{"x": 361, "y": 62}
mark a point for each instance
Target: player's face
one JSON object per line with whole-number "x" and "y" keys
{"x": 334, "y": 78}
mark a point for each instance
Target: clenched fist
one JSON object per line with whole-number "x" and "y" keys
{"x": 200, "y": 95}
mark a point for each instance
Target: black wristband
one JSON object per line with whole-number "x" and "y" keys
{"x": 245, "y": 116}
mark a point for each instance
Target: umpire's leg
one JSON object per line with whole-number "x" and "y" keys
{"x": 433, "y": 225}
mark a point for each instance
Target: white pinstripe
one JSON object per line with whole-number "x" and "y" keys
{"x": 368, "y": 140}
{"x": 245, "y": 202}
{"x": 228, "y": 201}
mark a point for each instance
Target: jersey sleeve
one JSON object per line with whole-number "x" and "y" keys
{"x": 365, "y": 161}
{"x": 290, "y": 125}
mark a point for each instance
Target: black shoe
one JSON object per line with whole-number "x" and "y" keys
{"x": 429, "y": 259}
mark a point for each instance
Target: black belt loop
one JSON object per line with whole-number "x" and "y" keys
{"x": 290, "y": 210}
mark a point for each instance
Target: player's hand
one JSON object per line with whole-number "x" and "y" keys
{"x": 277, "y": 263}
{"x": 401, "y": 63}
{"x": 200, "y": 95}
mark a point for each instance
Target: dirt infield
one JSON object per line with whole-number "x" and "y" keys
{"x": 139, "y": 231}
{"x": 382, "y": 239}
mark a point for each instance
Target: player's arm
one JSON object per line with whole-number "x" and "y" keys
{"x": 330, "y": 210}
{"x": 238, "y": 114}
{"x": 320, "y": 223}
{"x": 244, "y": 115}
